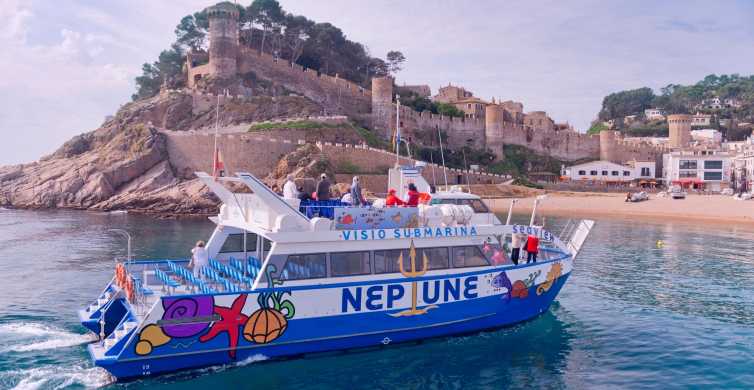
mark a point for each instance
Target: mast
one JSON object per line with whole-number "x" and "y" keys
{"x": 442, "y": 155}
{"x": 397, "y": 129}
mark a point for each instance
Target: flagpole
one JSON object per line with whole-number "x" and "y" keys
{"x": 397, "y": 129}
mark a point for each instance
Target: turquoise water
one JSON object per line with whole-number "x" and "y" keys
{"x": 631, "y": 316}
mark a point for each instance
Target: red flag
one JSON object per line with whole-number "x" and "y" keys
{"x": 218, "y": 167}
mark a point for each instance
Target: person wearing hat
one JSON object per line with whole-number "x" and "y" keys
{"x": 199, "y": 258}
{"x": 393, "y": 200}
{"x": 323, "y": 188}
{"x": 412, "y": 196}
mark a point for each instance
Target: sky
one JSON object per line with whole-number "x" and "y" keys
{"x": 66, "y": 65}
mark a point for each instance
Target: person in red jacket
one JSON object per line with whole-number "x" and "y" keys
{"x": 532, "y": 248}
{"x": 393, "y": 200}
{"x": 413, "y": 196}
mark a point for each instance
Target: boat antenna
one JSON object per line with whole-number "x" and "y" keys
{"x": 466, "y": 166}
{"x": 432, "y": 161}
{"x": 442, "y": 155}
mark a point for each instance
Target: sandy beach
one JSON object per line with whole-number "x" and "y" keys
{"x": 700, "y": 208}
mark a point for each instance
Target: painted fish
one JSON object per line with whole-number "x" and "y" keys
{"x": 502, "y": 281}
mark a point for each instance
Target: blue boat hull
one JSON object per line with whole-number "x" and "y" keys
{"x": 339, "y": 332}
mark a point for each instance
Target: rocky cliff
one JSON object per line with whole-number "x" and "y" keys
{"x": 124, "y": 164}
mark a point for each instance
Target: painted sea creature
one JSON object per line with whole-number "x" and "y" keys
{"x": 521, "y": 287}
{"x": 502, "y": 281}
{"x": 271, "y": 319}
{"x": 552, "y": 275}
{"x": 346, "y": 219}
{"x": 149, "y": 338}
{"x": 187, "y": 308}
{"x": 231, "y": 320}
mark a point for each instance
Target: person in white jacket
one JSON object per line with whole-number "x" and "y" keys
{"x": 517, "y": 242}
{"x": 289, "y": 189}
{"x": 199, "y": 259}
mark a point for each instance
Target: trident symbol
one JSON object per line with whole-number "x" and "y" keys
{"x": 413, "y": 274}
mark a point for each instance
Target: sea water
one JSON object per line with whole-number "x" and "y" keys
{"x": 649, "y": 305}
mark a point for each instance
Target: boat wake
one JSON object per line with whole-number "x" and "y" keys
{"x": 58, "y": 377}
{"x": 27, "y": 337}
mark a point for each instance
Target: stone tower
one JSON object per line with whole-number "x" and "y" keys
{"x": 608, "y": 140}
{"x": 382, "y": 106}
{"x": 223, "y": 40}
{"x": 680, "y": 130}
{"x": 494, "y": 116}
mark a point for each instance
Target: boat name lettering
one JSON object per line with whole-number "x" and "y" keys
{"x": 381, "y": 297}
{"x": 422, "y": 232}
{"x": 535, "y": 231}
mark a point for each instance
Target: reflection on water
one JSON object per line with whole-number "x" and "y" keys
{"x": 633, "y": 314}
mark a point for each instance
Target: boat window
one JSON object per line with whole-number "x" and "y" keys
{"x": 349, "y": 263}
{"x": 476, "y": 204}
{"x": 307, "y": 266}
{"x": 234, "y": 243}
{"x": 468, "y": 256}
{"x": 443, "y": 201}
{"x": 387, "y": 261}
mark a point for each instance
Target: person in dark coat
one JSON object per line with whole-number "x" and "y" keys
{"x": 323, "y": 188}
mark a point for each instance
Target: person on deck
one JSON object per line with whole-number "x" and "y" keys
{"x": 323, "y": 188}
{"x": 199, "y": 259}
{"x": 412, "y": 196}
{"x": 393, "y": 200}
{"x": 289, "y": 188}
{"x": 532, "y": 248}
{"x": 516, "y": 244}
{"x": 357, "y": 199}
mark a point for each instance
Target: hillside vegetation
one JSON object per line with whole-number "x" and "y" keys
{"x": 682, "y": 99}
{"x": 265, "y": 26}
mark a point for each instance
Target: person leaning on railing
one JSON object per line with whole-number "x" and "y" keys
{"x": 392, "y": 200}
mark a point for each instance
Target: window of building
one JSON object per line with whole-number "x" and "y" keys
{"x": 387, "y": 261}
{"x": 713, "y": 164}
{"x": 476, "y": 204}
{"x": 349, "y": 263}
{"x": 645, "y": 172}
{"x": 604, "y": 173}
{"x": 615, "y": 173}
{"x": 626, "y": 173}
{"x": 593, "y": 173}
{"x": 468, "y": 256}
{"x": 469, "y": 105}
{"x": 308, "y": 266}
{"x": 687, "y": 164}
{"x": 582, "y": 173}
{"x": 713, "y": 176}
{"x": 234, "y": 243}
{"x": 686, "y": 174}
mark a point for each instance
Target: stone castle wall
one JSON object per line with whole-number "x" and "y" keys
{"x": 192, "y": 151}
{"x": 335, "y": 94}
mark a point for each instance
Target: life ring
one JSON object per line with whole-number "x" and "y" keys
{"x": 424, "y": 198}
{"x": 119, "y": 275}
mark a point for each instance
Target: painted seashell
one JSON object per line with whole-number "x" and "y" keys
{"x": 151, "y": 336}
{"x": 190, "y": 307}
{"x": 264, "y": 326}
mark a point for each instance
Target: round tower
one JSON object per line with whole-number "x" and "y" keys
{"x": 608, "y": 140}
{"x": 382, "y": 105}
{"x": 223, "y": 40}
{"x": 679, "y": 126}
{"x": 494, "y": 116}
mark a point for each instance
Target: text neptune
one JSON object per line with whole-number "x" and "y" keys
{"x": 425, "y": 232}
{"x": 379, "y": 297}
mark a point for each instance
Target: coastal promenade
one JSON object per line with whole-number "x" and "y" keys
{"x": 699, "y": 208}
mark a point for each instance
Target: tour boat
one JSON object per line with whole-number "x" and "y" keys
{"x": 288, "y": 279}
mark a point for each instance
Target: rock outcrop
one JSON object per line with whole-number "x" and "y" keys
{"x": 124, "y": 165}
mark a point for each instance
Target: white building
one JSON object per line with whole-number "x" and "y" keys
{"x": 606, "y": 171}
{"x": 699, "y": 169}
{"x": 700, "y": 119}
{"x": 707, "y": 136}
{"x": 654, "y": 113}
{"x": 743, "y": 172}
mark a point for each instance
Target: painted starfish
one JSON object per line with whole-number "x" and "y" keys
{"x": 232, "y": 319}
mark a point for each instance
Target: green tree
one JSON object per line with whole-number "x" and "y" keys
{"x": 395, "y": 60}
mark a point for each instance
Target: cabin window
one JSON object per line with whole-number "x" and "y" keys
{"x": 349, "y": 263}
{"x": 234, "y": 243}
{"x": 468, "y": 256}
{"x": 387, "y": 261}
{"x": 476, "y": 204}
{"x": 307, "y": 266}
